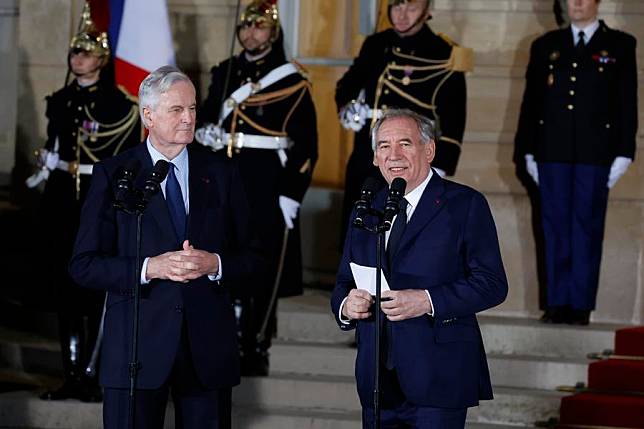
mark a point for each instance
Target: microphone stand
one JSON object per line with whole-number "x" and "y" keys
{"x": 136, "y": 207}
{"x": 379, "y": 229}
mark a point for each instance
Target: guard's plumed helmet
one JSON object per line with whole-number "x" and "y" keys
{"x": 89, "y": 39}
{"x": 262, "y": 13}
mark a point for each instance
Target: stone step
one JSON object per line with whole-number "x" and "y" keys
{"x": 536, "y": 372}
{"x": 338, "y": 394}
{"x": 23, "y": 410}
{"x": 308, "y": 318}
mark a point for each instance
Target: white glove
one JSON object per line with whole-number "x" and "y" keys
{"x": 289, "y": 210}
{"x": 48, "y": 159}
{"x": 353, "y": 116}
{"x": 440, "y": 172}
{"x": 531, "y": 167}
{"x": 617, "y": 170}
{"x": 210, "y": 135}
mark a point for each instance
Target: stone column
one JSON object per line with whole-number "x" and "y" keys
{"x": 8, "y": 93}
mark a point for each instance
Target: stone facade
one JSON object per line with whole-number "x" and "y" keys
{"x": 499, "y": 31}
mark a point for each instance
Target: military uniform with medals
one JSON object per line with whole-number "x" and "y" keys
{"x": 577, "y": 132}
{"x": 272, "y": 136}
{"x": 86, "y": 124}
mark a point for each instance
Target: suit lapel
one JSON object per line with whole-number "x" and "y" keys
{"x": 199, "y": 183}
{"x": 429, "y": 205}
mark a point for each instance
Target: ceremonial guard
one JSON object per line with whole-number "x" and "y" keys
{"x": 259, "y": 113}
{"x": 576, "y": 138}
{"x": 88, "y": 120}
{"x": 407, "y": 66}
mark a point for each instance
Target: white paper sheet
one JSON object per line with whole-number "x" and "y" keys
{"x": 365, "y": 278}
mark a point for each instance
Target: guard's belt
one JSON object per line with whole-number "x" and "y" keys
{"x": 253, "y": 141}
{"x": 82, "y": 168}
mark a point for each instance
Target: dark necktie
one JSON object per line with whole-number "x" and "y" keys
{"x": 177, "y": 207}
{"x": 581, "y": 43}
{"x": 397, "y": 230}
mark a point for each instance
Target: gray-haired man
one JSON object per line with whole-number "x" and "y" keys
{"x": 195, "y": 233}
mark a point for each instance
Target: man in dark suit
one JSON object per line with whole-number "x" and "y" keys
{"x": 259, "y": 114}
{"x": 406, "y": 66}
{"x": 444, "y": 267}
{"x": 576, "y": 135}
{"x": 195, "y": 232}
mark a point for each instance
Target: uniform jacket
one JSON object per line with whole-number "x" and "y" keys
{"x": 104, "y": 259}
{"x": 438, "y": 88}
{"x": 580, "y": 109}
{"x": 282, "y": 109}
{"x": 449, "y": 248}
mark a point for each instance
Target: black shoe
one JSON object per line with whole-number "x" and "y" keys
{"x": 579, "y": 317}
{"x": 71, "y": 389}
{"x": 93, "y": 394}
{"x": 254, "y": 364}
{"x": 555, "y": 315}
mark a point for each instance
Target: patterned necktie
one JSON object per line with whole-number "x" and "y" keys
{"x": 396, "y": 232}
{"x": 176, "y": 205}
{"x": 581, "y": 43}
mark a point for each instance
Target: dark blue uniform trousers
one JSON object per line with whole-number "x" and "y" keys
{"x": 574, "y": 198}
{"x": 195, "y": 407}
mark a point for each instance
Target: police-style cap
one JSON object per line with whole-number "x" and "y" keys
{"x": 89, "y": 39}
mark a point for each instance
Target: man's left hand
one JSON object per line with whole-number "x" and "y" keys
{"x": 194, "y": 263}
{"x": 405, "y": 304}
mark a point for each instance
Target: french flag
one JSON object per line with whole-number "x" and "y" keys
{"x": 140, "y": 37}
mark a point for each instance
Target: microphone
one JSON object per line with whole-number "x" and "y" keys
{"x": 124, "y": 180}
{"x": 392, "y": 205}
{"x": 153, "y": 182}
{"x": 369, "y": 188}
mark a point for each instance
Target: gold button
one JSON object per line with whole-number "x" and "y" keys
{"x": 386, "y": 91}
{"x": 74, "y": 134}
{"x": 571, "y": 92}
{"x": 80, "y": 108}
{"x": 384, "y": 107}
{"x": 240, "y": 122}
{"x": 75, "y": 121}
{"x": 607, "y": 125}
{"x": 74, "y": 147}
{"x": 540, "y": 121}
{"x": 397, "y": 49}
{"x": 601, "y": 69}
{"x": 573, "y": 78}
{"x": 388, "y": 77}
{"x": 570, "y": 107}
{"x": 574, "y": 65}
{"x": 551, "y": 67}
{"x": 243, "y": 107}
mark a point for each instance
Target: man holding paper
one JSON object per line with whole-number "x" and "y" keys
{"x": 443, "y": 265}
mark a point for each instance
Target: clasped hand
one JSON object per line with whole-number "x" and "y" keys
{"x": 400, "y": 304}
{"x": 182, "y": 265}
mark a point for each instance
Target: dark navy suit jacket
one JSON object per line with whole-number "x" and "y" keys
{"x": 104, "y": 258}
{"x": 450, "y": 248}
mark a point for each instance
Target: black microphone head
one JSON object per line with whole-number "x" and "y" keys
{"x": 398, "y": 186}
{"x": 159, "y": 171}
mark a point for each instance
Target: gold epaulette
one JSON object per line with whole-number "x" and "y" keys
{"x": 127, "y": 94}
{"x": 461, "y": 59}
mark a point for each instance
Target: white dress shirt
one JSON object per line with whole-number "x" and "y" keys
{"x": 589, "y": 31}
{"x": 182, "y": 169}
{"x": 413, "y": 198}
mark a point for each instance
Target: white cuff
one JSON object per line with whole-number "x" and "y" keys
{"x": 431, "y": 313}
{"x": 144, "y": 269}
{"x": 216, "y": 277}
{"x": 341, "y": 317}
